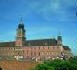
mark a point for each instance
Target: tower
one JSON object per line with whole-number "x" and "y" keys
{"x": 20, "y": 35}
{"x": 59, "y": 39}
{"x": 59, "y": 42}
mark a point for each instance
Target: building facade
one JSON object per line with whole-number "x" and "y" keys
{"x": 41, "y": 49}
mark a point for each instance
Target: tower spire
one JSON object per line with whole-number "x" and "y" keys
{"x": 59, "y": 33}
{"x": 59, "y": 39}
{"x": 20, "y": 34}
{"x": 21, "y": 21}
{"x": 21, "y": 24}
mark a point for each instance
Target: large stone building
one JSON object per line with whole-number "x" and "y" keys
{"x": 41, "y": 49}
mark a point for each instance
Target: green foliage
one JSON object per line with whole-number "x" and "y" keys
{"x": 58, "y": 64}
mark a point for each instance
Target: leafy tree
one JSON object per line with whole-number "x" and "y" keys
{"x": 58, "y": 64}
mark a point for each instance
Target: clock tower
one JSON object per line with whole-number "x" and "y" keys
{"x": 20, "y": 35}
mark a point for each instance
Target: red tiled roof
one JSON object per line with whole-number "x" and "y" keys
{"x": 40, "y": 42}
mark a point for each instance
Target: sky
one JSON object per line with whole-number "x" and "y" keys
{"x": 42, "y": 19}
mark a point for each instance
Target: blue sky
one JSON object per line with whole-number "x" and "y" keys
{"x": 42, "y": 19}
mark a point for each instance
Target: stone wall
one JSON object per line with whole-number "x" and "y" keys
{"x": 17, "y": 65}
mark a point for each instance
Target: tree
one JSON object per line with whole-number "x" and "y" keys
{"x": 58, "y": 64}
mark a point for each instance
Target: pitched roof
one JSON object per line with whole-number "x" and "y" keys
{"x": 40, "y": 42}
{"x": 7, "y": 44}
{"x": 66, "y": 48}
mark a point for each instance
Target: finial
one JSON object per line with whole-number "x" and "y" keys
{"x": 59, "y": 33}
{"x": 21, "y": 24}
{"x": 21, "y": 20}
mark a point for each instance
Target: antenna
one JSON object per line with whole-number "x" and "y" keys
{"x": 21, "y": 19}
{"x": 21, "y": 22}
{"x": 59, "y": 33}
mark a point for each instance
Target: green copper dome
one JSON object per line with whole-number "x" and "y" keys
{"x": 21, "y": 26}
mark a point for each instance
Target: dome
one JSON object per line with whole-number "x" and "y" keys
{"x": 21, "y": 26}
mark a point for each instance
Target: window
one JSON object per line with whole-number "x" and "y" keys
{"x": 31, "y": 53}
{"x": 43, "y": 47}
{"x": 39, "y": 53}
{"x": 39, "y": 48}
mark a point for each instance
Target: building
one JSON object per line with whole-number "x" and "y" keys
{"x": 41, "y": 49}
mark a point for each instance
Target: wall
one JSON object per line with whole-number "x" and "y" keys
{"x": 17, "y": 65}
{"x": 28, "y": 52}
